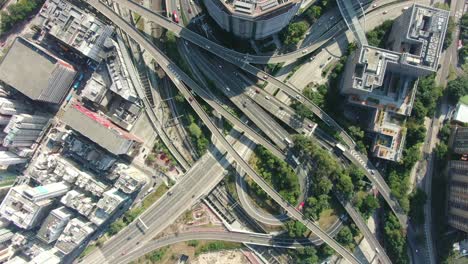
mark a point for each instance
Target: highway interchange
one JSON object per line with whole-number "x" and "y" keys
{"x": 177, "y": 76}
{"x": 359, "y": 159}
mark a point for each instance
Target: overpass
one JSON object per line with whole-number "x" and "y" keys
{"x": 239, "y": 237}
{"x": 175, "y": 74}
{"x": 240, "y": 60}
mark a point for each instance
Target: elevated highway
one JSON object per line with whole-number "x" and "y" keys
{"x": 248, "y": 238}
{"x": 175, "y": 74}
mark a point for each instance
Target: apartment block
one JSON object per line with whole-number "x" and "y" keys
{"x": 54, "y": 224}
{"x": 458, "y": 195}
{"x": 76, "y": 231}
{"x": 252, "y": 19}
{"x": 385, "y": 80}
{"x": 74, "y": 27}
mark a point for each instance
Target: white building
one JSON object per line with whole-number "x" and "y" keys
{"x": 54, "y": 224}
{"x": 74, "y": 233}
{"x": 21, "y": 211}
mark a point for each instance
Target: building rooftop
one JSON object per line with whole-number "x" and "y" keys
{"x": 255, "y": 8}
{"x": 390, "y": 136}
{"x": 74, "y": 233}
{"x": 99, "y": 129}
{"x": 458, "y": 198}
{"x": 460, "y": 140}
{"x": 54, "y": 224}
{"x": 382, "y": 85}
{"x": 20, "y": 210}
{"x": 78, "y": 201}
{"x": 461, "y": 113}
{"x": 107, "y": 205}
{"x": 425, "y": 35}
{"x": 36, "y": 73}
{"x": 129, "y": 178}
{"x": 78, "y": 28}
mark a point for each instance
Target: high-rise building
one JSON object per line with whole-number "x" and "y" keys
{"x": 77, "y": 28}
{"x": 385, "y": 81}
{"x": 252, "y": 19}
{"x": 76, "y": 231}
{"x": 23, "y": 212}
{"x": 54, "y": 224}
{"x": 458, "y": 200}
{"x": 23, "y": 130}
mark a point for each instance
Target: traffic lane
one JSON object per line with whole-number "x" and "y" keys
{"x": 254, "y": 112}
{"x": 249, "y": 238}
{"x": 269, "y": 103}
{"x": 217, "y": 105}
{"x": 161, "y": 209}
{"x": 256, "y": 213}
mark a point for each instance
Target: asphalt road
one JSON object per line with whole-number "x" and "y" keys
{"x": 175, "y": 73}
{"x": 249, "y": 238}
{"x": 359, "y": 159}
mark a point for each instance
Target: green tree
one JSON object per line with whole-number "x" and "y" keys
{"x": 457, "y": 88}
{"x": 441, "y": 150}
{"x": 295, "y": 228}
{"x": 368, "y": 205}
{"x": 345, "y": 237}
{"x": 195, "y": 130}
{"x": 417, "y": 201}
{"x": 295, "y": 32}
{"x": 313, "y": 13}
{"x": 395, "y": 241}
{"x": 345, "y": 185}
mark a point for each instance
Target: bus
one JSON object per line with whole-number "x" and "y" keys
{"x": 175, "y": 17}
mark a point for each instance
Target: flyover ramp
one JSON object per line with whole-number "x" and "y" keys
{"x": 175, "y": 74}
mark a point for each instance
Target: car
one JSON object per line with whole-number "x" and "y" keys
{"x": 321, "y": 65}
{"x": 190, "y": 99}
{"x": 385, "y": 12}
{"x": 267, "y": 97}
{"x": 169, "y": 193}
{"x": 227, "y": 88}
{"x": 332, "y": 17}
{"x": 372, "y": 172}
{"x": 329, "y": 58}
{"x": 281, "y": 107}
{"x": 297, "y": 97}
{"x": 265, "y": 76}
{"x": 312, "y": 58}
{"x": 310, "y": 126}
{"x": 178, "y": 8}
{"x": 189, "y": 11}
{"x": 300, "y": 206}
{"x": 220, "y": 66}
{"x": 374, "y": 5}
{"x": 257, "y": 91}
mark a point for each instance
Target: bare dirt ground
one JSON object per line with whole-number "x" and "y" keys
{"x": 224, "y": 257}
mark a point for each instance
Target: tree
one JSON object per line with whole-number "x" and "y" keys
{"x": 449, "y": 33}
{"x": 417, "y": 202}
{"x": 415, "y": 133}
{"x": 313, "y": 13}
{"x": 195, "y": 130}
{"x": 356, "y": 132}
{"x": 441, "y": 150}
{"x": 295, "y": 228}
{"x": 345, "y": 237}
{"x": 295, "y": 32}
{"x": 395, "y": 241}
{"x": 345, "y": 185}
{"x": 357, "y": 175}
{"x": 457, "y": 88}
{"x": 368, "y": 205}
